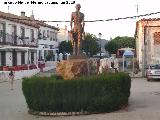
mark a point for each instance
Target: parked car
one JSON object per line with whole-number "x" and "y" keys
{"x": 153, "y": 72}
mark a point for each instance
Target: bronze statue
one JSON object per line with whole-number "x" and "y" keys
{"x": 78, "y": 30}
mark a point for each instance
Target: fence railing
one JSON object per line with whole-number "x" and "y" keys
{"x": 15, "y": 40}
{"x": 22, "y": 67}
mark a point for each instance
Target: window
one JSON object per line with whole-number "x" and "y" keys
{"x": 14, "y": 34}
{"x": 1, "y": 29}
{"x": 3, "y": 58}
{"x": 32, "y": 57}
{"x": 45, "y": 53}
{"x": 39, "y": 34}
{"x": 22, "y": 32}
{"x": 157, "y": 38}
{"x": 157, "y": 66}
{"x": 51, "y": 46}
{"x": 47, "y": 33}
{"x": 14, "y": 57}
{"x": 32, "y": 35}
{"x": 44, "y": 34}
{"x": 45, "y": 46}
{"x": 2, "y": 32}
{"x": 22, "y": 58}
{"x": 51, "y": 35}
{"x": 55, "y": 36}
{"x": 40, "y": 55}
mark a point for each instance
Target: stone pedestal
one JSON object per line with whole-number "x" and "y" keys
{"x": 72, "y": 68}
{"x": 80, "y": 56}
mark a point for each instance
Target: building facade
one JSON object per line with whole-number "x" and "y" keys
{"x": 47, "y": 42}
{"x": 148, "y": 41}
{"x": 25, "y": 41}
{"x": 18, "y": 41}
{"x": 63, "y": 34}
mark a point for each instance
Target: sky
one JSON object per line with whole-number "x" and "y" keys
{"x": 92, "y": 9}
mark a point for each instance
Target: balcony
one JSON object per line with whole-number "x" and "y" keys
{"x": 15, "y": 40}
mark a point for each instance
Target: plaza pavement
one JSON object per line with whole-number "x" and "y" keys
{"x": 144, "y": 104}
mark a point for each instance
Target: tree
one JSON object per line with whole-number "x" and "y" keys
{"x": 65, "y": 47}
{"x": 90, "y": 45}
{"x": 119, "y": 42}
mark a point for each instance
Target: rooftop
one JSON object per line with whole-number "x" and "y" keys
{"x": 18, "y": 19}
{"x": 25, "y": 20}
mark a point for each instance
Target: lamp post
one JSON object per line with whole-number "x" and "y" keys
{"x": 100, "y": 44}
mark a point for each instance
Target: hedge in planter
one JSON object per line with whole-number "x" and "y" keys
{"x": 103, "y": 93}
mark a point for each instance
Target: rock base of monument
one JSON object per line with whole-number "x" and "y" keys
{"x": 80, "y": 56}
{"x": 72, "y": 68}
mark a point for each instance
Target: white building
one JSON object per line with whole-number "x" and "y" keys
{"x": 63, "y": 34}
{"x": 24, "y": 41}
{"x": 18, "y": 40}
{"x": 47, "y": 41}
{"x": 148, "y": 41}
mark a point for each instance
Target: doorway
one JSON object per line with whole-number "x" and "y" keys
{"x": 3, "y": 58}
{"x": 14, "y": 56}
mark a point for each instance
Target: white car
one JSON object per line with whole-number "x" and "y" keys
{"x": 153, "y": 72}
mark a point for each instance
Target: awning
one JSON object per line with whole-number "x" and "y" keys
{"x": 124, "y": 49}
{"x": 10, "y": 48}
{"x": 54, "y": 49}
{"x": 128, "y": 53}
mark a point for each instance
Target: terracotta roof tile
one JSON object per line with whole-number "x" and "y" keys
{"x": 41, "y": 23}
{"x": 18, "y": 19}
{"x": 149, "y": 19}
{"x": 144, "y": 20}
{"x": 25, "y": 20}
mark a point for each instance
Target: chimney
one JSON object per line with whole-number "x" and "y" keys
{"x": 22, "y": 14}
{"x": 32, "y": 16}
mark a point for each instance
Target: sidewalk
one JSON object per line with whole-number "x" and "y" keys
{"x": 46, "y": 73}
{"x": 139, "y": 75}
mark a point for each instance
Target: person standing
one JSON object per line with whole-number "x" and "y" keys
{"x": 116, "y": 65}
{"x": 11, "y": 78}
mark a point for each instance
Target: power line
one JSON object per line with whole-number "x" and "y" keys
{"x": 112, "y": 19}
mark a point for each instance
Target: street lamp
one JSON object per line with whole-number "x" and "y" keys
{"x": 100, "y": 43}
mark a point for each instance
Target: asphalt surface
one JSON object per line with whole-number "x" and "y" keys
{"x": 144, "y": 104}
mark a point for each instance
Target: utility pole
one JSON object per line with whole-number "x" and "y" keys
{"x": 8, "y": 9}
{"x": 137, "y": 11}
{"x": 137, "y": 8}
{"x": 100, "y": 34}
{"x": 144, "y": 54}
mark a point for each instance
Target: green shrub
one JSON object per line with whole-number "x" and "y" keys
{"x": 103, "y": 93}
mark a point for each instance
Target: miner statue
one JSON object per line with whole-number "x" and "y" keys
{"x": 77, "y": 31}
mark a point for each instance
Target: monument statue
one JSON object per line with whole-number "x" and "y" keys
{"x": 77, "y": 31}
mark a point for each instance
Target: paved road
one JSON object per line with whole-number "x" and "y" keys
{"x": 144, "y": 104}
